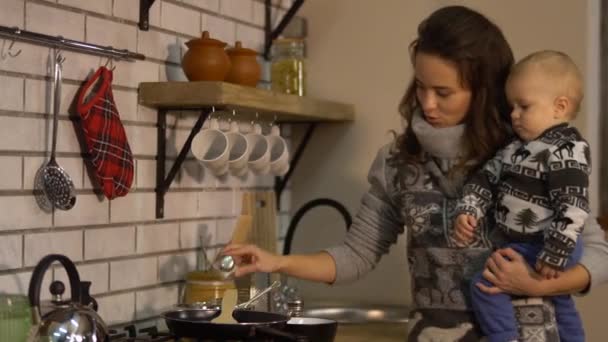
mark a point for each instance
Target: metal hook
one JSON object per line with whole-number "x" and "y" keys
{"x": 110, "y": 62}
{"x": 59, "y": 57}
{"x": 274, "y": 120}
{"x": 10, "y": 47}
{"x": 233, "y": 116}
{"x": 2, "y": 54}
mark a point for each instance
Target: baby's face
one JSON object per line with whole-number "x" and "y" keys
{"x": 533, "y": 101}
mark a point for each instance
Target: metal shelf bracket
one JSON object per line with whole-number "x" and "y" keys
{"x": 281, "y": 182}
{"x": 144, "y": 14}
{"x": 272, "y": 34}
{"x": 162, "y": 183}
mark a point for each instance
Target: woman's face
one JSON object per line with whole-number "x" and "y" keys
{"x": 441, "y": 95}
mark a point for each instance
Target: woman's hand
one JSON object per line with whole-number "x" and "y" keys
{"x": 510, "y": 273}
{"x": 250, "y": 258}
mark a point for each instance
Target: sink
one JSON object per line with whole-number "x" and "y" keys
{"x": 360, "y": 314}
{"x": 365, "y": 323}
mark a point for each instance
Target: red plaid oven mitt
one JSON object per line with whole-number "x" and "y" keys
{"x": 105, "y": 136}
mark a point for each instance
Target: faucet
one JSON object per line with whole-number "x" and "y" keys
{"x": 304, "y": 209}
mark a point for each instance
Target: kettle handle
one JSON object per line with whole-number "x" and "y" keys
{"x": 40, "y": 270}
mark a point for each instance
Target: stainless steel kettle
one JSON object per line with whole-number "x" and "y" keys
{"x": 73, "y": 320}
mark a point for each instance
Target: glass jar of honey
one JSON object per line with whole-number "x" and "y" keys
{"x": 288, "y": 66}
{"x": 207, "y": 287}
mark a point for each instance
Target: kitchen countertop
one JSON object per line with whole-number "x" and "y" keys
{"x": 366, "y": 332}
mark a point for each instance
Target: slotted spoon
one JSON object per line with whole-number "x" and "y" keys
{"x": 56, "y": 183}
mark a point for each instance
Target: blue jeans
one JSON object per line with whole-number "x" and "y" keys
{"x": 495, "y": 312}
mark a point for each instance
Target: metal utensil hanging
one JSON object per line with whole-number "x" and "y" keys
{"x": 56, "y": 183}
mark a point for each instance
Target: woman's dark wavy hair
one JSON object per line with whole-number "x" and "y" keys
{"x": 484, "y": 58}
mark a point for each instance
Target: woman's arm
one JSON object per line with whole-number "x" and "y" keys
{"x": 509, "y": 272}
{"x": 375, "y": 228}
{"x": 318, "y": 267}
{"x": 595, "y": 253}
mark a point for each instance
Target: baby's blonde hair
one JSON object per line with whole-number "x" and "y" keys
{"x": 560, "y": 70}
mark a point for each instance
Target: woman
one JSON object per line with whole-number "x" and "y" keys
{"x": 457, "y": 118}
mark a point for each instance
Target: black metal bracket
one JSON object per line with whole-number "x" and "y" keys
{"x": 144, "y": 14}
{"x": 271, "y": 34}
{"x": 162, "y": 183}
{"x": 281, "y": 183}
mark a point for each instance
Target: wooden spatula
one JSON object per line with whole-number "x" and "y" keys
{"x": 242, "y": 231}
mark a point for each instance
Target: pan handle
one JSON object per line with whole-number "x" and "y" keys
{"x": 276, "y": 333}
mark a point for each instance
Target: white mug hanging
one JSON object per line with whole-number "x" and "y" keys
{"x": 239, "y": 151}
{"x": 211, "y": 147}
{"x": 259, "y": 158}
{"x": 279, "y": 154}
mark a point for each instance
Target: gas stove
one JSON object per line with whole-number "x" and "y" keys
{"x": 151, "y": 334}
{"x": 131, "y": 334}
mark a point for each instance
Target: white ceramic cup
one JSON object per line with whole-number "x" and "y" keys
{"x": 211, "y": 148}
{"x": 279, "y": 154}
{"x": 239, "y": 151}
{"x": 259, "y": 158}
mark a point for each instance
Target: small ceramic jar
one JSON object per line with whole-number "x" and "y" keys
{"x": 245, "y": 69}
{"x": 206, "y": 59}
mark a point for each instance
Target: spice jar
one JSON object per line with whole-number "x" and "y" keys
{"x": 287, "y": 68}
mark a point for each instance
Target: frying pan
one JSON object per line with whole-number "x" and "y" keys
{"x": 315, "y": 329}
{"x": 252, "y": 325}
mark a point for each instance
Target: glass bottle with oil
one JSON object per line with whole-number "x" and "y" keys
{"x": 288, "y": 66}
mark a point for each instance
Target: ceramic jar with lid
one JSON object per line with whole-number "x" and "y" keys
{"x": 206, "y": 59}
{"x": 245, "y": 69}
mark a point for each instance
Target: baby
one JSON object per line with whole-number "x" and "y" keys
{"x": 536, "y": 189}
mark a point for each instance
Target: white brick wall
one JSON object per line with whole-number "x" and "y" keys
{"x": 99, "y": 6}
{"x": 12, "y": 94}
{"x": 135, "y": 262}
{"x": 116, "y": 309}
{"x": 180, "y": 19}
{"x": 109, "y": 242}
{"x": 11, "y": 173}
{"x": 12, "y": 13}
{"x": 11, "y": 251}
{"x": 54, "y": 22}
{"x": 157, "y": 238}
{"x": 128, "y": 274}
{"x": 153, "y": 302}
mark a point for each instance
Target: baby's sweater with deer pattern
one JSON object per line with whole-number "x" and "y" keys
{"x": 538, "y": 190}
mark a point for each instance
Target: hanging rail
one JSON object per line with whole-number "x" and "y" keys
{"x": 68, "y": 44}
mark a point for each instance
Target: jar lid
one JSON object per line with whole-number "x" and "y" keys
{"x": 205, "y": 40}
{"x": 211, "y": 275}
{"x": 288, "y": 46}
{"x": 239, "y": 50}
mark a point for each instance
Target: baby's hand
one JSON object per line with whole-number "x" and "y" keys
{"x": 464, "y": 229}
{"x": 547, "y": 271}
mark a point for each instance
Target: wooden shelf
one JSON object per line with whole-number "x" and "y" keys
{"x": 248, "y": 102}
{"x": 245, "y": 100}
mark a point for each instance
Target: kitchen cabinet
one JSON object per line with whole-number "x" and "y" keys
{"x": 248, "y": 103}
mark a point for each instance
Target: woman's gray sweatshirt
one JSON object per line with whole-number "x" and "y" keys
{"x": 422, "y": 199}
